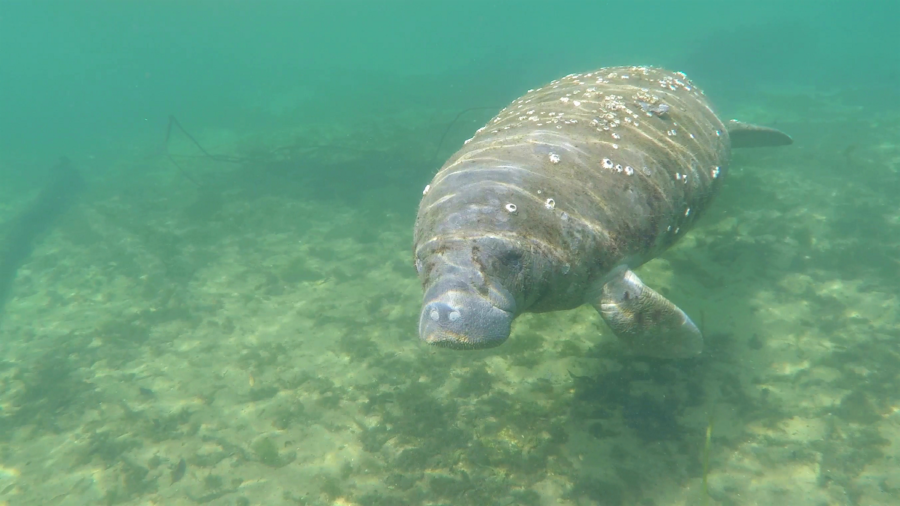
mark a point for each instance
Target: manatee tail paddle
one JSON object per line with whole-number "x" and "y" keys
{"x": 748, "y": 135}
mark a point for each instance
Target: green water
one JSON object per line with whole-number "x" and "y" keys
{"x": 254, "y": 312}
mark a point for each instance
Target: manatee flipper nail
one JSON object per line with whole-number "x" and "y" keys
{"x": 646, "y": 321}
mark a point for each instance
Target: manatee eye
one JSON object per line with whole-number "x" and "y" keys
{"x": 511, "y": 260}
{"x": 626, "y": 295}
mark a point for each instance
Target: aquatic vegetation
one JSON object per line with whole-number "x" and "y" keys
{"x": 856, "y": 407}
{"x": 542, "y": 386}
{"x": 213, "y": 482}
{"x": 707, "y": 444}
{"x": 127, "y": 332}
{"x": 178, "y": 471}
{"x": 411, "y": 459}
{"x": 262, "y": 393}
{"x": 601, "y": 491}
{"x": 267, "y": 453}
{"x": 208, "y": 459}
{"x": 403, "y": 482}
{"x": 164, "y": 427}
{"x": 107, "y": 446}
{"x": 449, "y": 487}
{"x": 652, "y": 420}
{"x": 358, "y": 347}
{"x": 299, "y": 270}
{"x": 373, "y": 438}
{"x": 211, "y": 496}
{"x": 290, "y": 414}
{"x": 569, "y": 349}
{"x": 374, "y": 499}
{"x": 295, "y": 380}
{"x": 52, "y": 392}
{"x": 527, "y": 342}
{"x": 134, "y": 481}
{"x": 330, "y": 400}
{"x": 330, "y": 486}
{"x": 846, "y": 452}
{"x": 474, "y": 382}
{"x": 261, "y": 357}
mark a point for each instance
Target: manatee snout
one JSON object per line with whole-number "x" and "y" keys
{"x": 465, "y": 318}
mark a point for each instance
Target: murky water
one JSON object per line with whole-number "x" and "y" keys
{"x": 239, "y": 326}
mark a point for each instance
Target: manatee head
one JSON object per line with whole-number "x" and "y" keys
{"x": 465, "y": 306}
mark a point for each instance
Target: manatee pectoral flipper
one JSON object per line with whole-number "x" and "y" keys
{"x": 747, "y": 135}
{"x": 645, "y": 320}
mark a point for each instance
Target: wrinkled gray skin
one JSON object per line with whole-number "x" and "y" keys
{"x": 556, "y": 199}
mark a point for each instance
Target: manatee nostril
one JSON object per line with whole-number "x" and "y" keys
{"x": 464, "y": 320}
{"x": 440, "y": 312}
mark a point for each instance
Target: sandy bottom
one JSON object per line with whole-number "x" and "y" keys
{"x": 254, "y": 342}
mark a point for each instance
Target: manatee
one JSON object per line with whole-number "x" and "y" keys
{"x": 558, "y": 198}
